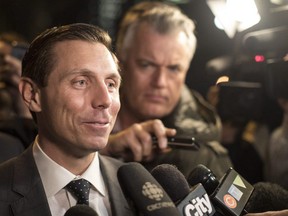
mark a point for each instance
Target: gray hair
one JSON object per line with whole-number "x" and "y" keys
{"x": 162, "y": 17}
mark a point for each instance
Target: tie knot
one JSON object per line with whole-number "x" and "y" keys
{"x": 80, "y": 190}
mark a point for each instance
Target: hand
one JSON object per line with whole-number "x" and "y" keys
{"x": 135, "y": 143}
{"x": 270, "y": 213}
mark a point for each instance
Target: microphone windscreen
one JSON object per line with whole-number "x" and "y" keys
{"x": 147, "y": 194}
{"x": 267, "y": 197}
{"x": 81, "y": 210}
{"x": 193, "y": 201}
{"x": 201, "y": 174}
{"x": 172, "y": 180}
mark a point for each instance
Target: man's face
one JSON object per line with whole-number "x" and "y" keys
{"x": 80, "y": 103}
{"x": 154, "y": 72}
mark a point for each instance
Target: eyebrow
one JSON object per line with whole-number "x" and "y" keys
{"x": 158, "y": 65}
{"x": 116, "y": 76}
{"x": 87, "y": 72}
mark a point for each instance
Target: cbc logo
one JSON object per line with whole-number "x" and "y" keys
{"x": 152, "y": 191}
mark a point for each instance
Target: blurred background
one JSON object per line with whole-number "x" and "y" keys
{"x": 239, "y": 39}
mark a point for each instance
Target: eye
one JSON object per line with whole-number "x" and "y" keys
{"x": 174, "y": 68}
{"x": 144, "y": 64}
{"x": 113, "y": 84}
{"x": 80, "y": 82}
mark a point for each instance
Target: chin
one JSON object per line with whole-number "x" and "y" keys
{"x": 149, "y": 116}
{"x": 155, "y": 113}
{"x": 97, "y": 144}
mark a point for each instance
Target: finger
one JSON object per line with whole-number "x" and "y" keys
{"x": 161, "y": 132}
{"x": 144, "y": 139}
{"x": 157, "y": 128}
{"x": 170, "y": 132}
{"x": 132, "y": 142}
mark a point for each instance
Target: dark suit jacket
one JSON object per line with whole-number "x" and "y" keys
{"x": 10, "y": 146}
{"x": 22, "y": 192}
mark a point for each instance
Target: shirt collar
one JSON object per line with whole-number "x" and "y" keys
{"x": 56, "y": 177}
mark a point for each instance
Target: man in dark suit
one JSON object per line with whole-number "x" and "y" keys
{"x": 70, "y": 83}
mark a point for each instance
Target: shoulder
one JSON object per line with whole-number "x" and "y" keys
{"x": 191, "y": 94}
{"x": 7, "y": 173}
{"x": 10, "y": 146}
{"x": 23, "y": 161}
{"x": 193, "y": 101}
{"x": 110, "y": 165}
{"x": 217, "y": 148}
{"x": 107, "y": 160}
{"x": 7, "y": 165}
{"x": 109, "y": 168}
{"x": 219, "y": 160}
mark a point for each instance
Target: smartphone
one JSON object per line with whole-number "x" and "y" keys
{"x": 180, "y": 142}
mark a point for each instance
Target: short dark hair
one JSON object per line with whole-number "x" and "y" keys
{"x": 38, "y": 61}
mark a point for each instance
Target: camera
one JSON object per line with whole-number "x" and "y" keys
{"x": 239, "y": 100}
{"x": 277, "y": 79}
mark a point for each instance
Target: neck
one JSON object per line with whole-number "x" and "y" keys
{"x": 78, "y": 166}
{"x": 75, "y": 163}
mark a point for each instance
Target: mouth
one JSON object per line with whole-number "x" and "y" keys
{"x": 156, "y": 98}
{"x": 96, "y": 128}
{"x": 96, "y": 123}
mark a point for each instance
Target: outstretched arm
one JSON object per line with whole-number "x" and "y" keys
{"x": 135, "y": 143}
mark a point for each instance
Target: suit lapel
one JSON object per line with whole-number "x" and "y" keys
{"x": 27, "y": 182}
{"x": 119, "y": 205}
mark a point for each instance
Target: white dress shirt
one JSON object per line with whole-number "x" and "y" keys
{"x": 56, "y": 177}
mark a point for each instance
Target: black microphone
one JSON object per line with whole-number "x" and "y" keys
{"x": 149, "y": 198}
{"x": 267, "y": 196}
{"x": 194, "y": 201}
{"x": 229, "y": 195}
{"x": 81, "y": 210}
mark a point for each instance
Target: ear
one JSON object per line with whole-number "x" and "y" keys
{"x": 30, "y": 94}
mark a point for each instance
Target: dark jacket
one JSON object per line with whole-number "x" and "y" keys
{"x": 22, "y": 192}
{"x": 194, "y": 117}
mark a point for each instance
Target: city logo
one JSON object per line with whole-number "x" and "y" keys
{"x": 198, "y": 206}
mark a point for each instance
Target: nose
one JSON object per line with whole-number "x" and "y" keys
{"x": 101, "y": 98}
{"x": 159, "y": 77}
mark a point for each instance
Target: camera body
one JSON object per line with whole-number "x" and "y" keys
{"x": 240, "y": 101}
{"x": 277, "y": 79}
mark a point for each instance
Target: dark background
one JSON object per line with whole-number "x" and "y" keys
{"x": 30, "y": 17}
